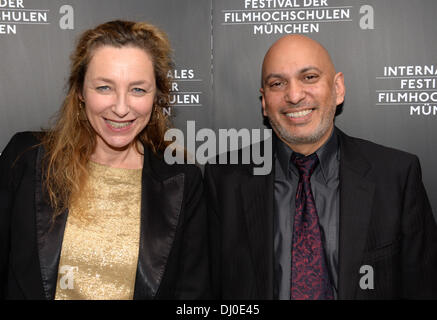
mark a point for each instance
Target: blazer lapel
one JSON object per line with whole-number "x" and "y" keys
{"x": 356, "y": 198}
{"x": 49, "y": 236}
{"x": 161, "y": 203}
{"x": 257, "y": 195}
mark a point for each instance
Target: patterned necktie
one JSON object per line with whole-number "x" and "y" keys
{"x": 309, "y": 272}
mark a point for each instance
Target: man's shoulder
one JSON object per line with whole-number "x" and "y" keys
{"x": 373, "y": 147}
{"x": 376, "y": 153}
{"x": 252, "y": 160}
{"x": 229, "y": 170}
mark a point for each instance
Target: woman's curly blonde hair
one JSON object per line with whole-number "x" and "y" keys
{"x": 71, "y": 141}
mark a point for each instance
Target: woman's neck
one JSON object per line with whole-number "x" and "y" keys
{"x": 128, "y": 158}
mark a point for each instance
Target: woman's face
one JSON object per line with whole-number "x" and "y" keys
{"x": 119, "y": 90}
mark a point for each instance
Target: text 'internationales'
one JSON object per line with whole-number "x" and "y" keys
{"x": 416, "y": 87}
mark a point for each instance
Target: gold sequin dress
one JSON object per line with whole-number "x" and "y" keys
{"x": 101, "y": 240}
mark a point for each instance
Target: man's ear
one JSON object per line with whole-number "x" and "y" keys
{"x": 263, "y": 101}
{"x": 340, "y": 89}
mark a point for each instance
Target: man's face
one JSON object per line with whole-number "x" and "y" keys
{"x": 300, "y": 92}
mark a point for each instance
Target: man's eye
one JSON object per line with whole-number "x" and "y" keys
{"x": 276, "y": 84}
{"x": 311, "y": 77}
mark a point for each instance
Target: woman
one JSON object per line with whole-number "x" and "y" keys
{"x": 89, "y": 209}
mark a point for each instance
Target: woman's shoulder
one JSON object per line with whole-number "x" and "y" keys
{"x": 20, "y": 144}
{"x": 26, "y": 138}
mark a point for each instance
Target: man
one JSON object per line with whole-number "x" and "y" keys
{"x": 337, "y": 218}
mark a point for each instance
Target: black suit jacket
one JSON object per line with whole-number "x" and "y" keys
{"x": 172, "y": 261}
{"x": 386, "y": 222}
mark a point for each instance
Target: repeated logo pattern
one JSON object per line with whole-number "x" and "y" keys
{"x": 309, "y": 273}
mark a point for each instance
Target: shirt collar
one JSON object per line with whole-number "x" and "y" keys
{"x": 326, "y": 154}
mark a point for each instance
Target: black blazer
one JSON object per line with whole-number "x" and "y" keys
{"x": 172, "y": 261}
{"x": 385, "y": 222}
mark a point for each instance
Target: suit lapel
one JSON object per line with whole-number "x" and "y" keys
{"x": 161, "y": 203}
{"x": 257, "y": 195}
{"x": 49, "y": 237}
{"x": 356, "y": 199}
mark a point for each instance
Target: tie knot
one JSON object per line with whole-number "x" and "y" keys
{"x": 305, "y": 165}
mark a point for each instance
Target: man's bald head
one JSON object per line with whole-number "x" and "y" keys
{"x": 297, "y": 48}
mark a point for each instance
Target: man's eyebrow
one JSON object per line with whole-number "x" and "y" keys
{"x": 283, "y": 76}
{"x": 310, "y": 68}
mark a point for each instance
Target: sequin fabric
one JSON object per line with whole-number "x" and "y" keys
{"x": 101, "y": 240}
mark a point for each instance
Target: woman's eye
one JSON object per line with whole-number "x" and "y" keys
{"x": 103, "y": 88}
{"x": 139, "y": 90}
